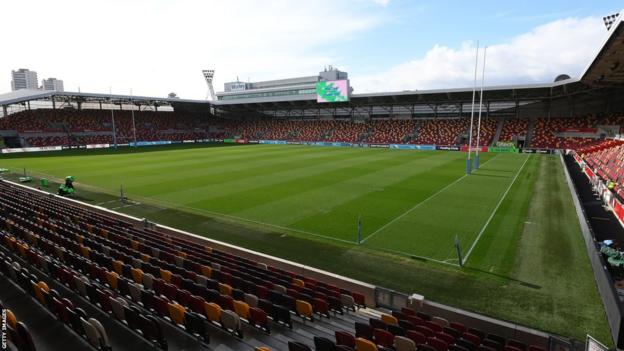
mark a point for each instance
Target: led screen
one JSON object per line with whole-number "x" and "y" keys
{"x": 332, "y": 91}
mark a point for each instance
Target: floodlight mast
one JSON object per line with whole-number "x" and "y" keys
{"x": 209, "y": 75}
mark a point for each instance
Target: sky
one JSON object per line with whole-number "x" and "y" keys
{"x": 154, "y": 47}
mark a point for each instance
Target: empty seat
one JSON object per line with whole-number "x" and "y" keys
{"x": 364, "y": 345}
{"x": 102, "y": 333}
{"x": 438, "y": 344}
{"x": 383, "y": 337}
{"x": 345, "y": 338}
{"x": 177, "y": 313}
{"x": 402, "y": 343}
{"x": 442, "y": 322}
{"x": 213, "y": 312}
{"x": 323, "y": 344}
{"x": 194, "y": 324}
{"x": 321, "y": 307}
{"x": 297, "y": 346}
{"x": 231, "y": 322}
{"x": 304, "y": 310}
{"x": 242, "y": 309}
{"x": 472, "y": 338}
{"x": 388, "y": 319}
{"x": 251, "y": 300}
{"x": 416, "y": 336}
{"x": 347, "y": 302}
{"x": 151, "y": 330}
{"x": 117, "y": 306}
{"x": 363, "y": 330}
{"x": 259, "y": 319}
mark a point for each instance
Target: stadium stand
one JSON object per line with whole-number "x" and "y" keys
{"x": 149, "y": 281}
{"x": 514, "y": 127}
{"x": 81, "y": 127}
{"x": 544, "y": 135}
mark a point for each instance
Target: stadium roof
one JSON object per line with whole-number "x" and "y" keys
{"x": 607, "y": 67}
{"x": 18, "y": 96}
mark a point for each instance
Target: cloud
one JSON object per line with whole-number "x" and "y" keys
{"x": 158, "y": 46}
{"x": 562, "y": 46}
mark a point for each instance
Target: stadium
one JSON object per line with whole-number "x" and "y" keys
{"x": 295, "y": 214}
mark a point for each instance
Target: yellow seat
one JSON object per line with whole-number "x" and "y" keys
{"x": 10, "y": 317}
{"x": 213, "y": 311}
{"x": 262, "y": 348}
{"x": 241, "y": 308}
{"x": 225, "y": 289}
{"x": 390, "y": 320}
{"x": 80, "y": 239}
{"x": 304, "y": 309}
{"x": 43, "y": 286}
{"x": 134, "y": 244}
{"x": 39, "y": 293}
{"x": 118, "y": 266}
{"x": 104, "y": 233}
{"x": 165, "y": 275}
{"x": 364, "y": 345}
{"x": 85, "y": 251}
{"x": 22, "y": 249}
{"x": 176, "y": 312}
{"x": 111, "y": 278}
{"x": 182, "y": 254}
{"x": 206, "y": 271}
{"x": 145, "y": 257}
{"x": 89, "y": 228}
{"x": 208, "y": 249}
{"x": 298, "y": 282}
{"x": 137, "y": 275}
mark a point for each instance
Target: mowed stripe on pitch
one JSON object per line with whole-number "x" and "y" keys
{"x": 333, "y": 207}
{"x": 430, "y": 231}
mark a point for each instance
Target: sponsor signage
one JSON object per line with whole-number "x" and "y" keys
{"x": 537, "y": 151}
{"x": 98, "y": 146}
{"x": 447, "y": 148}
{"x": 31, "y": 149}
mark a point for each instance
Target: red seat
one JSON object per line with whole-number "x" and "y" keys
{"x": 416, "y": 336}
{"x": 196, "y": 304}
{"x": 458, "y": 326}
{"x": 383, "y": 337}
{"x": 472, "y": 338}
{"x": 435, "y": 327}
{"x": 226, "y": 302}
{"x": 160, "y": 306}
{"x": 448, "y": 338}
{"x": 425, "y": 330}
{"x": 408, "y": 311}
{"x": 415, "y": 320}
{"x": 438, "y": 344}
{"x": 359, "y": 299}
{"x": 171, "y": 291}
{"x": 344, "y": 338}
{"x": 183, "y": 297}
{"x": 258, "y": 318}
{"x": 321, "y": 307}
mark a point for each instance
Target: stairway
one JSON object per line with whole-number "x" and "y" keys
{"x": 499, "y": 129}
{"x": 529, "y": 135}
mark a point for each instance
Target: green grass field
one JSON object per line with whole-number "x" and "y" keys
{"x": 525, "y": 258}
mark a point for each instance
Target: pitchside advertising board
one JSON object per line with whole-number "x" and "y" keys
{"x": 332, "y": 91}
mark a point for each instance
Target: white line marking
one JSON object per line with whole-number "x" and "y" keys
{"x": 402, "y": 253}
{"x": 474, "y": 244}
{"x": 420, "y": 203}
